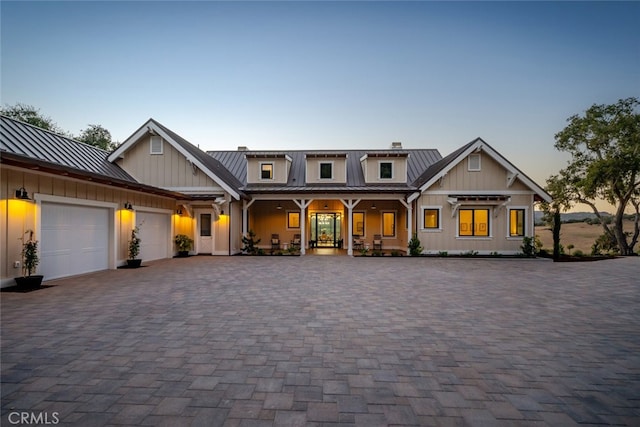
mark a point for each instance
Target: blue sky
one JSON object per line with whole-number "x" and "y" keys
{"x": 312, "y": 75}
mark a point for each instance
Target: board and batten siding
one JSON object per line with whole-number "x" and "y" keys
{"x": 167, "y": 170}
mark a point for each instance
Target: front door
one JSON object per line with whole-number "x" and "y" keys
{"x": 325, "y": 229}
{"x": 205, "y": 232}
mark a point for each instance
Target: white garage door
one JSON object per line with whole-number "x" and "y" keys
{"x": 154, "y": 232}
{"x": 75, "y": 240}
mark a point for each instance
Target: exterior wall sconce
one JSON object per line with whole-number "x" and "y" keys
{"x": 128, "y": 206}
{"x": 22, "y": 194}
{"x": 179, "y": 211}
{"x": 221, "y": 211}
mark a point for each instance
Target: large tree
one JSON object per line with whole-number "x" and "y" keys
{"x": 30, "y": 114}
{"x": 604, "y": 145}
{"x": 98, "y": 136}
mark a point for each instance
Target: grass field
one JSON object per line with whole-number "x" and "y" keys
{"x": 579, "y": 234}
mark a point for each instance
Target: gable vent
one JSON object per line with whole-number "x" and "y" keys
{"x": 156, "y": 144}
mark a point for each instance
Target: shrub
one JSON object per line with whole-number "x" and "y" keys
{"x": 415, "y": 249}
{"x": 395, "y": 252}
{"x": 604, "y": 244}
{"x": 250, "y": 243}
{"x": 443, "y": 253}
{"x": 470, "y": 253}
{"x": 578, "y": 253}
{"x": 134, "y": 243}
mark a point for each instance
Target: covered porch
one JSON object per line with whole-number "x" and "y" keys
{"x": 343, "y": 222}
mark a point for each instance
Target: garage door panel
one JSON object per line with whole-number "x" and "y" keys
{"x": 155, "y": 229}
{"x": 75, "y": 239}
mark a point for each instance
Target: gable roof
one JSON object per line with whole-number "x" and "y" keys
{"x": 207, "y": 164}
{"x": 417, "y": 161}
{"x": 440, "y": 168}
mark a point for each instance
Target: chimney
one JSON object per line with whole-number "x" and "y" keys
{"x": 396, "y": 145}
{"x": 243, "y": 148}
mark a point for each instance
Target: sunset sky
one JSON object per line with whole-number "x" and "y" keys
{"x": 315, "y": 75}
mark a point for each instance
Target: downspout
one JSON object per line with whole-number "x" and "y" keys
{"x": 229, "y": 227}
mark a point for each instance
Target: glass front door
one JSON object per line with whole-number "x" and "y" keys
{"x": 326, "y": 229}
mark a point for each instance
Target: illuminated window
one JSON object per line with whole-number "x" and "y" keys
{"x": 389, "y": 224}
{"x": 473, "y": 222}
{"x": 326, "y": 170}
{"x": 358, "y": 223}
{"x": 516, "y": 222}
{"x": 386, "y": 170}
{"x": 431, "y": 218}
{"x": 266, "y": 171}
{"x": 293, "y": 220}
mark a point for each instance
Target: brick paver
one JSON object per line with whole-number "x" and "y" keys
{"x": 294, "y": 341}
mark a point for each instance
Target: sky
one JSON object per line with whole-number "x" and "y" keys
{"x": 325, "y": 75}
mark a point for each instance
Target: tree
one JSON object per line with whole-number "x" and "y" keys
{"x": 98, "y": 136}
{"x": 30, "y": 114}
{"x": 605, "y": 165}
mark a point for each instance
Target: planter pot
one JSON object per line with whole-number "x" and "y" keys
{"x": 134, "y": 263}
{"x": 183, "y": 254}
{"x": 29, "y": 282}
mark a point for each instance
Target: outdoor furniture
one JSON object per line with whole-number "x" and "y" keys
{"x": 295, "y": 243}
{"x": 377, "y": 242}
{"x": 275, "y": 242}
{"x": 357, "y": 242}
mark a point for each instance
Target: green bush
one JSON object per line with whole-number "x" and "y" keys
{"x": 415, "y": 249}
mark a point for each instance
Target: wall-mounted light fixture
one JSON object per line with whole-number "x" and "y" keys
{"x": 128, "y": 206}
{"x": 279, "y": 206}
{"x": 373, "y": 206}
{"x": 179, "y": 211}
{"x": 22, "y": 194}
{"x": 221, "y": 211}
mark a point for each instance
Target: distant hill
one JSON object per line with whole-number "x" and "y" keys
{"x": 570, "y": 216}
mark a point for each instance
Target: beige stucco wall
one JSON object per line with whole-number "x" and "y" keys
{"x": 168, "y": 170}
{"x": 280, "y": 170}
{"x": 371, "y": 169}
{"x": 17, "y": 216}
{"x": 339, "y": 170}
{"x": 491, "y": 179}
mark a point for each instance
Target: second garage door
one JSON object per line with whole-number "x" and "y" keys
{"x": 155, "y": 229}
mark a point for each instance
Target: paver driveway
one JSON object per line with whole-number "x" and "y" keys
{"x": 322, "y": 340}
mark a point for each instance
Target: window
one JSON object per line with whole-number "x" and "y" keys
{"x": 473, "y": 222}
{"x": 431, "y": 218}
{"x": 326, "y": 170}
{"x": 516, "y": 222}
{"x": 266, "y": 170}
{"x": 156, "y": 145}
{"x": 293, "y": 219}
{"x": 386, "y": 170}
{"x": 474, "y": 162}
{"x": 205, "y": 224}
{"x": 388, "y": 224}
{"x": 358, "y": 223}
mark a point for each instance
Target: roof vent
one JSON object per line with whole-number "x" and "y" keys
{"x": 396, "y": 145}
{"x": 243, "y": 148}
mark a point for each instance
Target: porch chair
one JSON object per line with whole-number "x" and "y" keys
{"x": 275, "y": 242}
{"x": 377, "y": 242}
{"x": 295, "y": 243}
{"x": 357, "y": 242}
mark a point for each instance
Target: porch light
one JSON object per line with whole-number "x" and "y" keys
{"x": 179, "y": 211}
{"x": 279, "y": 206}
{"x": 22, "y": 194}
{"x": 326, "y": 206}
{"x": 128, "y": 206}
{"x": 373, "y": 206}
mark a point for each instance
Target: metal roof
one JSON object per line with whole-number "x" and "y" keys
{"x": 29, "y": 141}
{"x": 418, "y": 161}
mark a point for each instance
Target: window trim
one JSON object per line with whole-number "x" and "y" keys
{"x": 364, "y": 223}
{"x": 489, "y": 235}
{"x": 380, "y": 162}
{"x": 525, "y": 216}
{"x": 479, "y": 168}
{"x": 395, "y": 224}
{"x": 423, "y": 227}
{"x": 289, "y": 213}
{"x": 331, "y": 163}
{"x": 272, "y": 171}
{"x": 160, "y": 145}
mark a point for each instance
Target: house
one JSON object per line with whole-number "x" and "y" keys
{"x": 82, "y": 202}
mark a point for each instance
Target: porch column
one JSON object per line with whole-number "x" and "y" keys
{"x": 350, "y": 204}
{"x": 245, "y": 215}
{"x": 409, "y": 206}
{"x": 303, "y": 204}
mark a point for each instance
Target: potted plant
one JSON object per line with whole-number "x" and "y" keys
{"x": 184, "y": 244}
{"x": 134, "y": 249}
{"x": 30, "y": 261}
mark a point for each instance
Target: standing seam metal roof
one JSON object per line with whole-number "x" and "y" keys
{"x": 24, "y": 139}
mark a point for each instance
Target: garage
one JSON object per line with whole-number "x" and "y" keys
{"x": 74, "y": 239}
{"x": 155, "y": 232}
